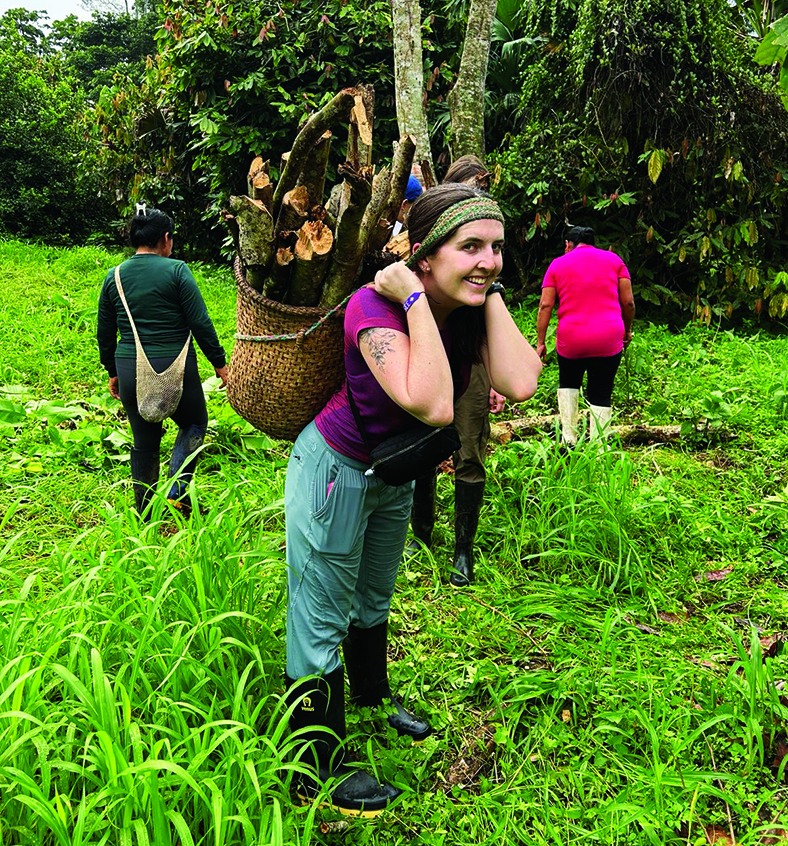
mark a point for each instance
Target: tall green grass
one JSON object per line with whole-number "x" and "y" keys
{"x": 603, "y": 682}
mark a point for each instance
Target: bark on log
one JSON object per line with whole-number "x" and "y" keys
{"x": 338, "y": 107}
{"x": 294, "y": 210}
{"x": 401, "y": 165}
{"x": 359, "y": 153}
{"x": 509, "y": 430}
{"x": 313, "y": 176}
{"x": 312, "y": 255}
{"x": 467, "y": 94}
{"x": 334, "y": 206}
{"x": 428, "y": 179}
{"x": 349, "y": 250}
{"x": 279, "y": 274}
{"x": 255, "y": 237}
{"x": 409, "y": 75}
{"x": 375, "y": 230}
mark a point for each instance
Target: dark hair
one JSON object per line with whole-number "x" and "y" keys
{"x": 468, "y": 328}
{"x": 468, "y": 169}
{"x": 580, "y": 235}
{"x": 148, "y": 227}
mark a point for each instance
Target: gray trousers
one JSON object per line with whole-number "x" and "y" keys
{"x": 345, "y": 538}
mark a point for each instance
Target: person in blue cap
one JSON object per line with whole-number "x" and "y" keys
{"x": 413, "y": 190}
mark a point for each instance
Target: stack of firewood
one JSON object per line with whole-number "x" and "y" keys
{"x": 298, "y": 249}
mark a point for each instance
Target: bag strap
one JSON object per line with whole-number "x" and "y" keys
{"x": 137, "y": 343}
{"x": 128, "y": 311}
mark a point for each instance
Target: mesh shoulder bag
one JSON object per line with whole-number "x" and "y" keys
{"x": 158, "y": 394}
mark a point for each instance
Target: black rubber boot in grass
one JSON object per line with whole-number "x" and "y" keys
{"x": 320, "y": 710}
{"x": 145, "y": 476}
{"x": 468, "y": 499}
{"x": 422, "y": 513}
{"x": 366, "y": 662}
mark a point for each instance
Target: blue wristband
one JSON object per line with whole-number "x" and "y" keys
{"x": 411, "y": 299}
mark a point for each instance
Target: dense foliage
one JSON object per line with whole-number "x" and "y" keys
{"x": 44, "y": 192}
{"x": 649, "y": 121}
{"x": 106, "y": 46}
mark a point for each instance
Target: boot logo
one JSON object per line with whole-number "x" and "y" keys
{"x": 306, "y": 703}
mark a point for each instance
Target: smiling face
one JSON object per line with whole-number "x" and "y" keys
{"x": 461, "y": 270}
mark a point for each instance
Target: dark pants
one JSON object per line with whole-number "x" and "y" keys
{"x": 191, "y": 410}
{"x": 472, "y": 421}
{"x": 601, "y": 376}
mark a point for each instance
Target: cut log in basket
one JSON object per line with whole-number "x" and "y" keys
{"x": 298, "y": 261}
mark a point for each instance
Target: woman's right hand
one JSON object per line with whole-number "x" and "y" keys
{"x": 396, "y": 282}
{"x": 541, "y": 351}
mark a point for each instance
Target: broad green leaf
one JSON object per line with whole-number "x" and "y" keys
{"x": 11, "y": 412}
{"x": 655, "y": 162}
{"x": 770, "y": 51}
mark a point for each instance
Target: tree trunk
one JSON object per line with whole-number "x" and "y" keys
{"x": 466, "y": 99}
{"x": 409, "y": 75}
{"x": 313, "y": 175}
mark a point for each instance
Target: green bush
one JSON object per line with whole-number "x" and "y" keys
{"x": 650, "y": 122}
{"x": 45, "y": 192}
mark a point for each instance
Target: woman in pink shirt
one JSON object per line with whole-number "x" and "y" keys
{"x": 595, "y": 313}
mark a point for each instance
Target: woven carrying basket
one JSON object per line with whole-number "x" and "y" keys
{"x": 280, "y": 385}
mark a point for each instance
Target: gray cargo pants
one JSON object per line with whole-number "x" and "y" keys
{"x": 345, "y": 538}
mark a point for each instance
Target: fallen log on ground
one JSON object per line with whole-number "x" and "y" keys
{"x": 635, "y": 434}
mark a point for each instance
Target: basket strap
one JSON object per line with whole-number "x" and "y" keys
{"x": 295, "y": 336}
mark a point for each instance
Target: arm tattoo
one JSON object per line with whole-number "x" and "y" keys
{"x": 379, "y": 342}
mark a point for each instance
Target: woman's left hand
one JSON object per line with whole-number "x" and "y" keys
{"x": 113, "y": 387}
{"x": 497, "y": 401}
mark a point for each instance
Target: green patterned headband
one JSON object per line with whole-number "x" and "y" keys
{"x": 474, "y": 208}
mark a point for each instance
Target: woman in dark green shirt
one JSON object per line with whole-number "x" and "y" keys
{"x": 165, "y": 305}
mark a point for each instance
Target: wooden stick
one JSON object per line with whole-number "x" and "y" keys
{"x": 312, "y": 255}
{"x": 509, "y": 430}
{"x": 313, "y": 176}
{"x": 349, "y": 250}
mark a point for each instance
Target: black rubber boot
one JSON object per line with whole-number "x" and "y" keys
{"x": 422, "y": 513}
{"x": 145, "y": 475}
{"x": 321, "y": 710}
{"x": 188, "y": 441}
{"x": 367, "y": 672}
{"x": 468, "y": 498}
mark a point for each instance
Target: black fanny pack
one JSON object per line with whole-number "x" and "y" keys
{"x": 402, "y": 458}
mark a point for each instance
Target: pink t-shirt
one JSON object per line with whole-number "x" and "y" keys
{"x": 381, "y": 416}
{"x": 589, "y": 311}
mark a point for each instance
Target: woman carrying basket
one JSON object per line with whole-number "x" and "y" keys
{"x": 167, "y": 308}
{"x": 409, "y": 338}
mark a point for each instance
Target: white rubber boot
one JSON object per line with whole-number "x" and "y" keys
{"x": 567, "y": 409}
{"x": 600, "y": 423}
